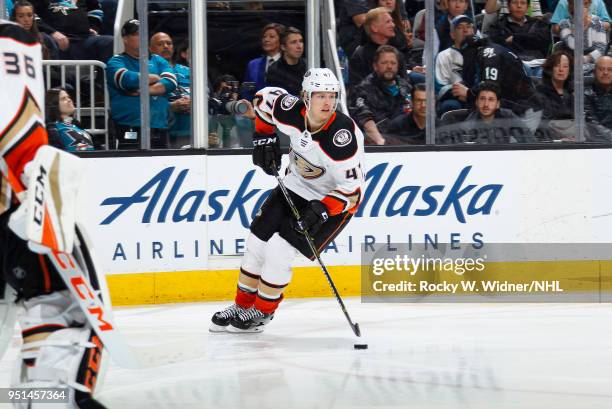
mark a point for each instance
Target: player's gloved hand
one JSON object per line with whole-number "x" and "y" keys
{"x": 266, "y": 152}
{"x": 314, "y": 214}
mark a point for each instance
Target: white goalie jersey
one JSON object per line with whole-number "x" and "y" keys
{"x": 325, "y": 165}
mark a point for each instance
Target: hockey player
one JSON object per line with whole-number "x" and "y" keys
{"x": 60, "y": 349}
{"x": 325, "y": 178}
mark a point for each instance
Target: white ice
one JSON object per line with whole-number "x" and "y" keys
{"x": 421, "y": 356}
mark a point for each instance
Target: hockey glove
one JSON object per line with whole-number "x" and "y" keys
{"x": 314, "y": 214}
{"x": 266, "y": 152}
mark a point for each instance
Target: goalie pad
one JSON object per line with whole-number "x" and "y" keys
{"x": 7, "y": 315}
{"x": 69, "y": 358}
{"x": 47, "y": 214}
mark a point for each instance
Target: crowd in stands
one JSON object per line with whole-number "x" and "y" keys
{"x": 503, "y": 72}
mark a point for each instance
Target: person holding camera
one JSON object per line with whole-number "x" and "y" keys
{"x": 230, "y": 117}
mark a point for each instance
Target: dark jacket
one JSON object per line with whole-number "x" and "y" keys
{"x": 598, "y": 112}
{"x": 553, "y": 105}
{"x": 529, "y": 41}
{"x": 360, "y": 63}
{"x": 72, "y": 20}
{"x": 289, "y": 77}
{"x": 506, "y": 128}
{"x": 372, "y": 100}
{"x": 403, "y": 130}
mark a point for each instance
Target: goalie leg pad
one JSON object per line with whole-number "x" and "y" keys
{"x": 8, "y": 310}
{"x": 69, "y": 358}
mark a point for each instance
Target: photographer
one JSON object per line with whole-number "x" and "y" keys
{"x": 231, "y": 118}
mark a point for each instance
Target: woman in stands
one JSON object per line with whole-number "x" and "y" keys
{"x": 64, "y": 131}
{"x": 258, "y": 67}
{"x": 555, "y": 97}
{"x": 23, "y": 14}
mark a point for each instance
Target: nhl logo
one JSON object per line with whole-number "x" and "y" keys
{"x": 342, "y": 138}
{"x": 288, "y": 102}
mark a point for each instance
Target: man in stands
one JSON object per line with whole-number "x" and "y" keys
{"x": 381, "y": 96}
{"x": 598, "y": 101}
{"x": 451, "y": 92}
{"x": 123, "y": 73}
{"x": 527, "y": 37}
{"x": 410, "y": 129}
{"x": 75, "y": 26}
{"x": 489, "y": 123}
{"x": 288, "y": 71}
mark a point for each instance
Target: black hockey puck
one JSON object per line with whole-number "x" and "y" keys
{"x": 360, "y": 346}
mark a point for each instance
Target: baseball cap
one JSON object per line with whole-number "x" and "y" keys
{"x": 460, "y": 19}
{"x": 130, "y": 27}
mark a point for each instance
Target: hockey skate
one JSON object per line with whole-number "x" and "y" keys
{"x": 221, "y": 319}
{"x": 251, "y": 320}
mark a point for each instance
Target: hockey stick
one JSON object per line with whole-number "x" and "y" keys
{"x": 309, "y": 240}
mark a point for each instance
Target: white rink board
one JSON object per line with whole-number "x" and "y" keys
{"x": 170, "y": 212}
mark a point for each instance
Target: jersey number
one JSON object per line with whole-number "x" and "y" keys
{"x": 491, "y": 74}
{"x": 13, "y": 64}
{"x": 351, "y": 173}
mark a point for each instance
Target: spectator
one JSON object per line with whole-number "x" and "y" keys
{"x": 74, "y": 25}
{"x": 258, "y": 68}
{"x": 554, "y": 98}
{"x": 451, "y": 93}
{"x": 596, "y": 8}
{"x": 64, "y": 131}
{"x": 595, "y": 38}
{"x": 381, "y": 96}
{"x": 351, "y": 17}
{"x": 289, "y": 70}
{"x": 527, "y": 37}
{"x": 410, "y": 129}
{"x": 123, "y": 73}
{"x": 380, "y": 30}
{"x": 598, "y": 101}
{"x": 180, "y": 99}
{"x": 443, "y": 26}
{"x": 489, "y": 123}
{"x": 23, "y": 14}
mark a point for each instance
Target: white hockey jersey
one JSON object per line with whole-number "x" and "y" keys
{"x": 22, "y": 129}
{"x": 324, "y": 165}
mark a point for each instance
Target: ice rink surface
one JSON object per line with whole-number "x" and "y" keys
{"x": 425, "y": 356}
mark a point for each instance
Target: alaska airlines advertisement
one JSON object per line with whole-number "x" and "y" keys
{"x": 179, "y": 213}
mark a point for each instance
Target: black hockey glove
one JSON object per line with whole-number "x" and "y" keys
{"x": 266, "y": 152}
{"x": 314, "y": 214}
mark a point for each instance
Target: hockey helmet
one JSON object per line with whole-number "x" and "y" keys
{"x": 319, "y": 80}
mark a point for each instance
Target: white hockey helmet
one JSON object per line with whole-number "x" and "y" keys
{"x": 320, "y": 80}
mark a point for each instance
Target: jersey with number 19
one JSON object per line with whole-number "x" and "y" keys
{"x": 326, "y": 164}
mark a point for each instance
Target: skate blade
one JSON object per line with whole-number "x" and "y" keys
{"x": 235, "y": 330}
{"x": 214, "y": 328}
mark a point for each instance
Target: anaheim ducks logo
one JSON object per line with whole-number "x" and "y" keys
{"x": 342, "y": 138}
{"x": 306, "y": 169}
{"x": 288, "y": 102}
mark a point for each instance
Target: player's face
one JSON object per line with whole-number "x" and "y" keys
{"x": 487, "y": 103}
{"x": 322, "y": 106}
{"x": 457, "y": 7}
{"x": 518, "y": 8}
{"x": 419, "y": 104}
{"x": 603, "y": 71}
{"x": 24, "y": 16}
{"x": 388, "y": 4}
{"x": 162, "y": 45}
{"x": 66, "y": 106}
{"x": 386, "y": 67}
{"x": 270, "y": 42}
{"x": 561, "y": 70}
{"x": 294, "y": 46}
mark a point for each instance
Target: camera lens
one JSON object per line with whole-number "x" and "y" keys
{"x": 237, "y": 107}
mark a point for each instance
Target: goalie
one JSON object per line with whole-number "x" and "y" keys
{"x": 325, "y": 180}
{"x": 38, "y": 187}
